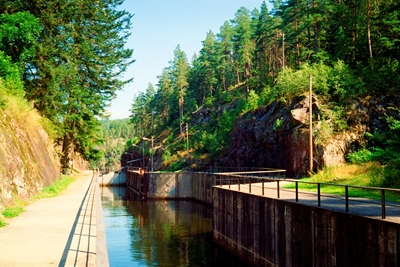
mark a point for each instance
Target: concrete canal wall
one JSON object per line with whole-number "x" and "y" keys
{"x": 183, "y": 185}
{"x": 271, "y": 232}
{"x": 112, "y": 179}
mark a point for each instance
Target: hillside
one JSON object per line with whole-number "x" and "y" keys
{"x": 28, "y": 159}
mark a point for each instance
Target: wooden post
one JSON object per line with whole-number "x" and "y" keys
{"x": 283, "y": 52}
{"x": 310, "y": 139}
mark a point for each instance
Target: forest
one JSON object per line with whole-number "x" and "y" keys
{"x": 66, "y": 59}
{"x": 351, "y": 49}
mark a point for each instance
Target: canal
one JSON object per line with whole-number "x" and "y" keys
{"x": 160, "y": 232}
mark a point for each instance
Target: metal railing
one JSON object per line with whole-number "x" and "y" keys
{"x": 258, "y": 179}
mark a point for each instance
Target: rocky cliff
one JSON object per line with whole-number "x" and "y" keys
{"x": 277, "y": 135}
{"x": 28, "y": 161}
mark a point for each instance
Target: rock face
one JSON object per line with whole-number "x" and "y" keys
{"x": 277, "y": 135}
{"x": 28, "y": 161}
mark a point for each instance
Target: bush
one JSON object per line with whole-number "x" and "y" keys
{"x": 361, "y": 156}
{"x": 391, "y": 174}
{"x": 338, "y": 81}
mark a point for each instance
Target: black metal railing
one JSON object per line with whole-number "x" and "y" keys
{"x": 258, "y": 179}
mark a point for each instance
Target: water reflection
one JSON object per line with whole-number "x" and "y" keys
{"x": 160, "y": 233}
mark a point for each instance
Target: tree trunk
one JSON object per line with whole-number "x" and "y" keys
{"x": 315, "y": 28}
{"x": 369, "y": 32}
{"x": 67, "y": 150}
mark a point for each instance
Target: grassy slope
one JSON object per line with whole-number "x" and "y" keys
{"x": 368, "y": 175}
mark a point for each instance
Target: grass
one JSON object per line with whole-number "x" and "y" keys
{"x": 367, "y": 175}
{"x": 56, "y": 188}
{"x": 51, "y": 191}
{"x": 11, "y": 212}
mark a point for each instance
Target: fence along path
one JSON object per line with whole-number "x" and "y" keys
{"x": 272, "y": 185}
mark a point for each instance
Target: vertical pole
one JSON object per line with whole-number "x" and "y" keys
{"x": 383, "y": 203}
{"x": 310, "y": 139}
{"x": 249, "y": 184}
{"x": 262, "y": 186}
{"x": 297, "y": 191}
{"x": 277, "y": 187}
{"x": 283, "y": 52}
{"x": 319, "y": 194}
{"x": 187, "y": 139}
{"x": 346, "y": 190}
{"x": 143, "y": 152}
{"x": 152, "y": 152}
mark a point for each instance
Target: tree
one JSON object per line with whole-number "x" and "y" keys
{"x": 208, "y": 64}
{"x": 18, "y": 36}
{"x": 180, "y": 70}
{"x": 243, "y": 44}
{"x": 224, "y": 54}
{"x": 77, "y": 66}
{"x": 263, "y": 29}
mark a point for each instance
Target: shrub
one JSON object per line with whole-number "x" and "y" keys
{"x": 361, "y": 156}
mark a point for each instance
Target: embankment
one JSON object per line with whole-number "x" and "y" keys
{"x": 28, "y": 160}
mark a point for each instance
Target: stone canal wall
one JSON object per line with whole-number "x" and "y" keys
{"x": 271, "y": 232}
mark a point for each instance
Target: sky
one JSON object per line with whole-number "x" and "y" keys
{"x": 158, "y": 27}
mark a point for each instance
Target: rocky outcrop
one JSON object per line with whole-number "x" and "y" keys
{"x": 277, "y": 135}
{"x": 28, "y": 161}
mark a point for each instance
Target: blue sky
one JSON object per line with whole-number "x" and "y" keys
{"x": 158, "y": 27}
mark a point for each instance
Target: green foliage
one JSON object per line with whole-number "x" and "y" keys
{"x": 383, "y": 147}
{"x": 241, "y": 66}
{"x": 55, "y": 188}
{"x": 177, "y": 165}
{"x": 361, "y": 156}
{"x": 391, "y": 174}
{"x": 116, "y": 137}
{"x": 278, "y": 124}
{"x": 266, "y": 96}
{"x": 338, "y": 81}
{"x": 18, "y": 36}
{"x": 10, "y": 76}
{"x": 252, "y": 101}
{"x": 71, "y": 61}
{"x": 11, "y": 212}
{"x": 343, "y": 82}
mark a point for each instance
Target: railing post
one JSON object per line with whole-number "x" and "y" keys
{"x": 346, "y": 191}
{"x": 319, "y": 194}
{"x": 239, "y": 183}
{"x": 229, "y": 181}
{"x": 383, "y": 203}
{"x": 297, "y": 191}
{"x": 262, "y": 186}
{"x": 277, "y": 187}
{"x": 249, "y": 184}
{"x": 220, "y": 180}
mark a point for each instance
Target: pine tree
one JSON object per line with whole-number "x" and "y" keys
{"x": 180, "y": 70}
{"x": 224, "y": 54}
{"x": 243, "y": 44}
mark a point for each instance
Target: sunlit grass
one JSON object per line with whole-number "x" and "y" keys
{"x": 11, "y": 212}
{"x": 366, "y": 175}
{"x": 56, "y": 188}
{"x": 51, "y": 191}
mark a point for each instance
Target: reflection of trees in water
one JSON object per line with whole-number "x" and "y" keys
{"x": 163, "y": 233}
{"x": 174, "y": 233}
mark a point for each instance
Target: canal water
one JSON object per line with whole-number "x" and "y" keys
{"x": 159, "y": 232}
